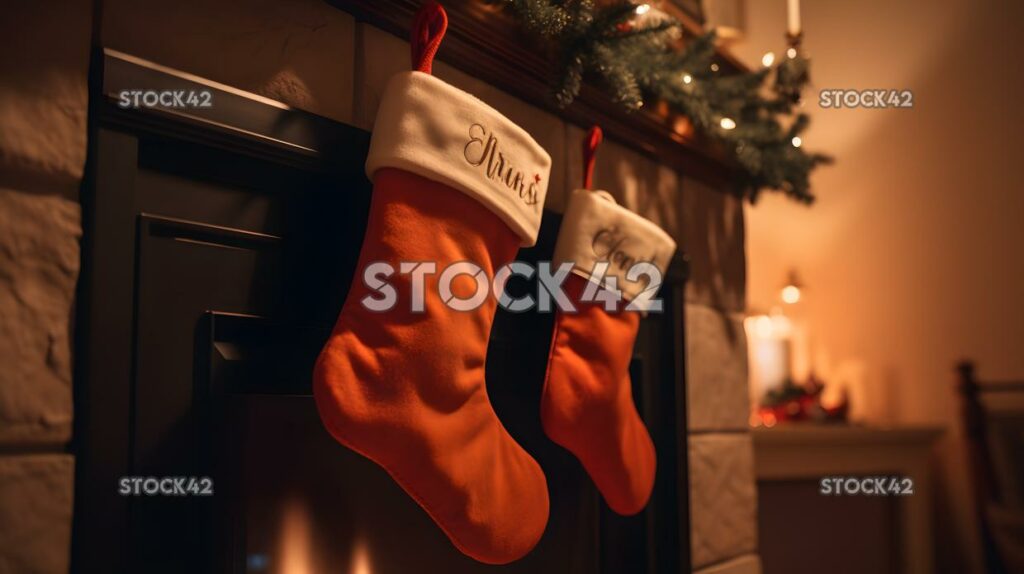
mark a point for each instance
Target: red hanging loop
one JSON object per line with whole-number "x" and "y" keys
{"x": 590, "y": 143}
{"x": 428, "y": 29}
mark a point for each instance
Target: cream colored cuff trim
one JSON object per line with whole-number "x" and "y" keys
{"x": 596, "y": 229}
{"x": 440, "y": 132}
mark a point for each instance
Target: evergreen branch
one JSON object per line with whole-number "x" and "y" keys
{"x": 636, "y": 60}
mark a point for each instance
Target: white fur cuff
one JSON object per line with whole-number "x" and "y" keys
{"x": 440, "y": 132}
{"x": 596, "y": 229}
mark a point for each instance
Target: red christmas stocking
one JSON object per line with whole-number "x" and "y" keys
{"x": 587, "y": 403}
{"x": 454, "y": 181}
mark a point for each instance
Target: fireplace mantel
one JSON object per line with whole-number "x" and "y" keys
{"x": 484, "y": 41}
{"x": 219, "y": 244}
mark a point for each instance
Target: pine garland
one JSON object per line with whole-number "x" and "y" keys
{"x": 635, "y": 59}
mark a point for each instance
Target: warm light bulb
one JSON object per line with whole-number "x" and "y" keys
{"x": 790, "y": 294}
{"x": 687, "y": 79}
{"x": 714, "y": 67}
{"x": 727, "y": 123}
{"x": 768, "y": 59}
{"x": 797, "y": 142}
{"x": 791, "y": 53}
{"x": 643, "y": 9}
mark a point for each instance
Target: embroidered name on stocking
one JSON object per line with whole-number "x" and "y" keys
{"x": 483, "y": 150}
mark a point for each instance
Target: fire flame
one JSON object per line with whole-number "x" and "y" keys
{"x": 296, "y": 548}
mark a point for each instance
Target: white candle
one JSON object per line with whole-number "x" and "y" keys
{"x": 769, "y": 351}
{"x": 794, "y": 17}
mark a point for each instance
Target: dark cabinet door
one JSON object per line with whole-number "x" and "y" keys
{"x": 216, "y": 262}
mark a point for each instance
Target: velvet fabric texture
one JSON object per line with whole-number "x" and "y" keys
{"x": 407, "y": 390}
{"x": 587, "y": 403}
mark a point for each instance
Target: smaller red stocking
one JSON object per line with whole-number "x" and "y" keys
{"x": 587, "y": 402}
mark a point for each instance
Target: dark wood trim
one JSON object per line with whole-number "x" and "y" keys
{"x": 486, "y": 42}
{"x": 103, "y": 352}
{"x": 677, "y": 276}
{"x": 236, "y": 120}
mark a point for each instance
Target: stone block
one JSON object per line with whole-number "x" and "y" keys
{"x": 723, "y": 505}
{"x": 39, "y": 260}
{"x": 44, "y": 95}
{"x": 716, "y": 363}
{"x": 36, "y": 494}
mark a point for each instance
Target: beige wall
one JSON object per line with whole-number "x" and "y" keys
{"x": 914, "y": 254}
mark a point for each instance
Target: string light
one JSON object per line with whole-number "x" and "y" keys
{"x": 797, "y": 142}
{"x": 590, "y": 38}
{"x": 791, "y": 53}
{"x": 768, "y": 59}
{"x": 791, "y": 291}
{"x": 790, "y": 294}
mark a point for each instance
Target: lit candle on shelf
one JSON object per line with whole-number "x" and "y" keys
{"x": 769, "y": 347}
{"x": 794, "y": 17}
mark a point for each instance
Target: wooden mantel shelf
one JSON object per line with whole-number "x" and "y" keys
{"x": 843, "y": 435}
{"x": 805, "y": 450}
{"x": 485, "y": 41}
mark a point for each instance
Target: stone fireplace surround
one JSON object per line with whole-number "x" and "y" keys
{"x": 317, "y": 58}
